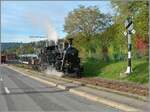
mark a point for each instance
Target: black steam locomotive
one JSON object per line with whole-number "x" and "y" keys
{"x": 63, "y": 57}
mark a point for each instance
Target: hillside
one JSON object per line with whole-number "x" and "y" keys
{"x": 113, "y": 69}
{"x": 9, "y": 45}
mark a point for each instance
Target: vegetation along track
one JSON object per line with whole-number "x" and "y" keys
{"x": 117, "y": 85}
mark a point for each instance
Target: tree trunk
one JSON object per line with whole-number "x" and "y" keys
{"x": 105, "y": 53}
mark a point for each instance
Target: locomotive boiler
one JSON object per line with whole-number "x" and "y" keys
{"x": 62, "y": 57}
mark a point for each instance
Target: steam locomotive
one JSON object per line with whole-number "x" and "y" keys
{"x": 63, "y": 57}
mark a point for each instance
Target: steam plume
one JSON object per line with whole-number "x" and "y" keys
{"x": 42, "y": 21}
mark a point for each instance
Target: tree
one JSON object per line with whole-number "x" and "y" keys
{"x": 110, "y": 37}
{"x": 140, "y": 12}
{"x": 85, "y": 24}
{"x": 87, "y": 20}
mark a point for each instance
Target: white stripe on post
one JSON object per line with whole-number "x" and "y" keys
{"x": 128, "y": 69}
{"x": 129, "y": 38}
{"x": 129, "y": 54}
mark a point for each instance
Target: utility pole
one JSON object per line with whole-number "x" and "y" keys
{"x": 130, "y": 30}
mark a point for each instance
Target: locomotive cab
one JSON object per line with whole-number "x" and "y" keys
{"x": 71, "y": 61}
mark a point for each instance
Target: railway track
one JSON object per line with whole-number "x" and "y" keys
{"x": 116, "y": 85}
{"x": 113, "y": 84}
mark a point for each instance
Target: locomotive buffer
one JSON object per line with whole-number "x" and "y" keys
{"x": 130, "y": 30}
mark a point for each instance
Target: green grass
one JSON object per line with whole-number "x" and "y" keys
{"x": 112, "y": 70}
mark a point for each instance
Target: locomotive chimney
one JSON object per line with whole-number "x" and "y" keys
{"x": 70, "y": 41}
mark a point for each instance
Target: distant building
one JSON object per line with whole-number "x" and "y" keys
{"x": 8, "y": 57}
{"x": 11, "y": 56}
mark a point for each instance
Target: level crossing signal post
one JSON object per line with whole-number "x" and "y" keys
{"x": 127, "y": 33}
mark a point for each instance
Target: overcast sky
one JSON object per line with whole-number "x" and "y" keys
{"x": 21, "y": 19}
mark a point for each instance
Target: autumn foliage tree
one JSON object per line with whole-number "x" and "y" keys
{"x": 139, "y": 10}
{"x": 85, "y": 24}
{"x": 86, "y": 20}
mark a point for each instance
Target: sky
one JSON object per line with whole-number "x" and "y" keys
{"x": 22, "y": 19}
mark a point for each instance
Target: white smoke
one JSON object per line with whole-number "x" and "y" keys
{"x": 52, "y": 71}
{"x": 52, "y": 35}
{"x": 42, "y": 21}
